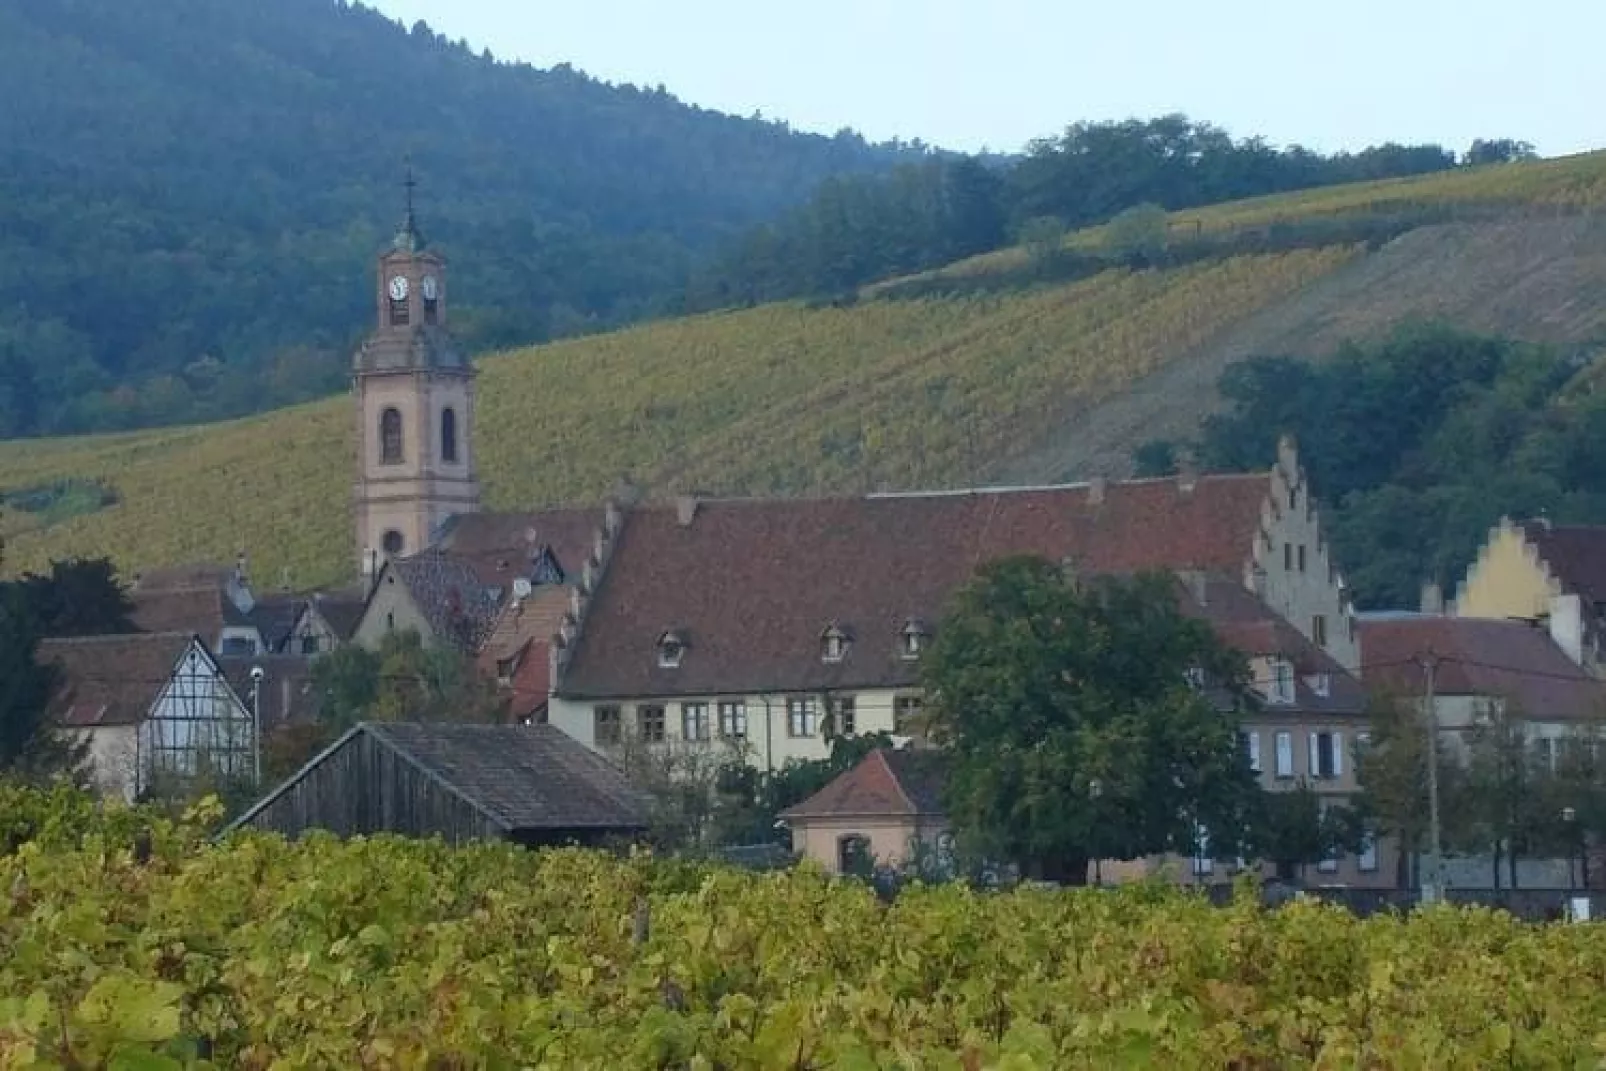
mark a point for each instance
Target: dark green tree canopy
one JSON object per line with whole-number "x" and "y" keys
{"x": 1075, "y": 728}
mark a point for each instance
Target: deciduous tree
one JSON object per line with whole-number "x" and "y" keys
{"x": 1075, "y": 730}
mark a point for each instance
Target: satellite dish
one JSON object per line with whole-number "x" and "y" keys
{"x": 521, "y": 588}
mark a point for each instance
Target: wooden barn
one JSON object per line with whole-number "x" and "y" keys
{"x": 531, "y": 784}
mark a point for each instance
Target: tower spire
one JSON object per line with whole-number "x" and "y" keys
{"x": 408, "y": 239}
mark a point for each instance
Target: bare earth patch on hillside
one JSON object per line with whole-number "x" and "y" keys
{"x": 1537, "y": 280}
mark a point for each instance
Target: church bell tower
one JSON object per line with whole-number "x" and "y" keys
{"x": 415, "y": 408}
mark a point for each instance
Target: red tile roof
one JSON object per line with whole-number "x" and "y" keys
{"x": 490, "y": 536}
{"x": 110, "y": 680}
{"x": 885, "y": 783}
{"x": 1576, "y": 555}
{"x": 1478, "y": 657}
{"x": 751, "y": 584}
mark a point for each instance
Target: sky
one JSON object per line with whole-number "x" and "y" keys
{"x": 973, "y": 74}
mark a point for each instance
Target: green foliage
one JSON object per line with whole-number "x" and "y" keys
{"x": 80, "y": 597}
{"x": 1074, "y": 730}
{"x": 199, "y": 243}
{"x": 1417, "y": 444}
{"x": 1293, "y": 830}
{"x": 400, "y": 681}
{"x": 1138, "y": 235}
{"x": 394, "y": 953}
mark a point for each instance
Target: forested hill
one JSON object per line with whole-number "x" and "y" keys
{"x": 191, "y": 192}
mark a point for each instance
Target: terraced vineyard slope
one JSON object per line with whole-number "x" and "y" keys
{"x": 1045, "y": 381}
{"x": 779, "y": 399}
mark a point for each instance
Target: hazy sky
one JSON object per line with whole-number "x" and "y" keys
{"x": 966, "y": 73}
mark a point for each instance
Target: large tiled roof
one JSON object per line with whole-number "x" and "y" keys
{"x": 521, "y": 777}
{"x": 1576, "y": 555}
{"x": 274, "y": 617}
{"x": 110, "y": 680}
{"x": 514, "y": 537}
{"x": 460, "y": 608}
{"x": 206, "y": 610}
{"x": 1512, "y": 660}
{"x": 885, "y": 783}
{"x": 750, "y": 585}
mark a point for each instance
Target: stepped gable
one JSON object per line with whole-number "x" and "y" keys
{"x": 750, "y": 586}
{"x": 1513, "y": 660}
{"x": 110, "y": 680}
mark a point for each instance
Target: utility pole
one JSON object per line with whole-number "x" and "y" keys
{"x": 1431, "y": 893}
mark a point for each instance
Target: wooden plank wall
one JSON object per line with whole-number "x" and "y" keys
{"x": 366, "y": 788}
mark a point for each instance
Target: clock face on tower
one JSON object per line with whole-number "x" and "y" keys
{"x": 398, "y": 288}
{"x": 429, "y": 288}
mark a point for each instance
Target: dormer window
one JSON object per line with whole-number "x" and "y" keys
{"x": 834, "y": 643}
{"x": 1281, "y": 686}
{"x": 1321, "y": 684}
{"x": 671, "y": 649}
{"x": 912, "y": 640}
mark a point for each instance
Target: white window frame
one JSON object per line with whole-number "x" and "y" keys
{"x": 1251, "y": 744}
{"x": 802, "y": 717}
{"x": 1280, "y": 689}
{"x": 733, "y": 719}
{"x": 1366, "y": 861}
{"x": 694, "y": 721}
{"x": 1283, "y": 741}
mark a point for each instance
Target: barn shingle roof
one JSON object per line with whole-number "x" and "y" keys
{"x": 520, "y": 777}
{"x": 110, "y": 680}
{"x": 885, "y": 783}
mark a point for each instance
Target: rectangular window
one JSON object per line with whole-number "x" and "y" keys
{"x": 606, "y": 725}
{"x": 1318, "y": 630}
{"x": 650, "y": 723}
{"x": 733, "y": 719}
{"x": 1282, "y": 682}
{"x": 847, "y": 715}
{"x": 309, "y": 645}
{"x": 906, "y": 714}
{"x": 1285, "y": 754}
{"x": 694, "y": 721}
{"x": 1302, "y": 557}
{"x": 1326, "y": 755}
{"x": 802, "y": 717}
{"x": 431, "y": 310}
{"x": 1367, "y": 860}
{"x": 1288, "y": 557}
{"x": 1251, "y": 746}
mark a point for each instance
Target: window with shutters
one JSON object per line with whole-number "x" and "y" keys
{"x": 1318, "y": 630}
{"x": 1302, "y": 557}
{"x": 1326, "y": 755}
{"x": 733, "y": 719}
{"x": 1250, "y": 742}
{"x": 694, "y": 721}
{"x": 650, "y": 723}
{"x": 1285, "y": 754}
{"x": 1288, "y": 557}
{"x": 606, "y": 725}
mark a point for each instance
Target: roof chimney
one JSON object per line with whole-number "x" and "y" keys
{"x": 1432, "y": 601}
{"x": 1096, "y": 488}
{"x": 685, "y": 509}
{"x": 1187, "y": 471}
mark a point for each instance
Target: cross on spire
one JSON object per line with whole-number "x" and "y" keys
{"x": 408, "y": 237}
